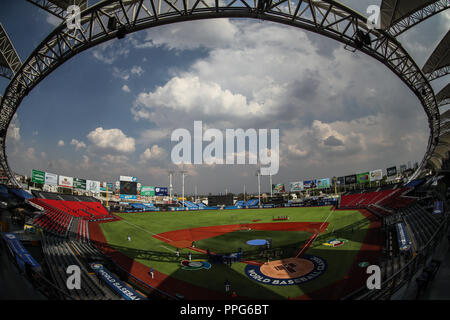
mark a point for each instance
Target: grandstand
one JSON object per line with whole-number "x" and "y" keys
{"x": 407, "y": 211}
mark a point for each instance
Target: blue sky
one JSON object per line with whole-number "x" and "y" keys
{"x": 115, "y": 105}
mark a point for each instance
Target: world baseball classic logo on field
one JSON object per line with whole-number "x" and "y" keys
{"x": 292, "y": 273}
{"x": 195, "y": 265}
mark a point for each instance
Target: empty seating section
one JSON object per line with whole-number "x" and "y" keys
{"x": 59, "y": 255}
{"x": 378, "y": 211}
{"x": 189, "y": 204}
{"x": 22, "y": 194}
{"x": 54, "y": 221}
{"x": 240, "y": 203}
{"x": 87, "y": 210}
{"x": 251, "y": 203}
{"x": 396, "y": 200}
{"x": 201, "y": 205}
{"x": 422, "y": 224}
{"x": 391, "y": 198}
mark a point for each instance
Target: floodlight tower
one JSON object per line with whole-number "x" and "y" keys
{"x": 258, "y": 173}
{"x": 270, "y": 177}
{"x": 183, "y": 173}
{"x": 170, "y": 186}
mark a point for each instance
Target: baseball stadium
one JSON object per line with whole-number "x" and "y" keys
{"x": 361, "y": 233}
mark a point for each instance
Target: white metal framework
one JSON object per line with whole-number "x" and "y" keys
{"x": 397, "y": 16}
{"x": 443, "y": 97}
{"x": 58, "y": 7}
{"x": 9, "y": 59}
{"x": 115, "y": 18}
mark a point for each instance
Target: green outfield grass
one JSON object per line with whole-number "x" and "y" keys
{"x": 287, "y": 241}
{"x": 161, "y": 256}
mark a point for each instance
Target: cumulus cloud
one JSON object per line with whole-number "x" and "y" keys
{"x": 78, "y": 144}
{"x": 112, "y": 139}
{"x": 190, "y": 35}
{"x": 190, "y": 94}
{"x": 14, "y": 130}
{"x": 60, "y": 143}
{"x": 155, "y": 152}
{"x": 115, "y": 159}
{"x": 126, "y": 88}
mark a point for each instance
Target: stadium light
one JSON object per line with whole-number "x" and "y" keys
{"x": 270, "y": 177}
{"x": 258, "y": 173}
{"x": 170, "y": 186}
{"x": 183, "y": 173}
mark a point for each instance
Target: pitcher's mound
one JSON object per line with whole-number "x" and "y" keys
{"x": 288, "y": 268}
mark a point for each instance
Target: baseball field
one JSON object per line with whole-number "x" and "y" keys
{"x": 317, "y": 253}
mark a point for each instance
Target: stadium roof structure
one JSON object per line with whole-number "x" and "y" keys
{"x": 443, "y": 97}
{"x": 9, "y": 59}
{"x": 397, "y": 16}
{"x": 438, "y": 64}
{"x": 111, "y": 19}
{"x": 445, "y": 127}
{"x": 445, "y": 116}
{"x": 58, "y": 7}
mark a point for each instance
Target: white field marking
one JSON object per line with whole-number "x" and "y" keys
{"x": 312, "y": 239}
{"x": 154, "y": 234}
{"x": 167, "y": 248}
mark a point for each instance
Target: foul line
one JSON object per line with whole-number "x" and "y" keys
{"x": 154, "y": 234}
{"x": 167, "y": 248}
{"x": 313, "y": 238}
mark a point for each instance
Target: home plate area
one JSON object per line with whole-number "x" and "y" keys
{"x": 290, "y": 271}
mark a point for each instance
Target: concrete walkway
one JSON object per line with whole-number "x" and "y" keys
{"x": 13, "y": 285}
{"x": 439, "y": 287}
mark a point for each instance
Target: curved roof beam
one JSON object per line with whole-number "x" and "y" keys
{"x": 445, "y": 138}
{"x": 58, "y": 7}
{"x": 435, "y": 162}
{"x": 443, "y": 97}
{"x": 445, "y": 116}
{"x": 442, "y": 151}
{"x": 10, "y": 61}
{"x": 445, "y": 127}
{"x": 438, "y": 64}
{"x": 111, "y": 19}
{"x": 398, "y": 16}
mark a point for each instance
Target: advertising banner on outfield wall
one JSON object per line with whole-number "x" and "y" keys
{"x": 161, "y": 191}
{"x": 351, "y": 179}
{"x": 322, "y": 183}
{"x": 51, "y": 179}
{"x": 376, "y": 175}
{"x": 278, "y": 188}
{"x": 93, "y": 186}
{"x": 128, "y": 197}
{"x": 147, "y": 191}
{"x": 37, "y": 176}
{"x": 296, "y": 186}
{"x": 392, "y": 171}
{"x": 309, "y": 184}
{"x": 79, "y": 184}
{"x": 362, "y": 177}
{"x": 66, "y": 182}
{"x": 128, "y": 179}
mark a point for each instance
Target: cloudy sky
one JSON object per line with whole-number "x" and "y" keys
{"x": 111, "y": 110}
